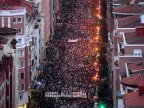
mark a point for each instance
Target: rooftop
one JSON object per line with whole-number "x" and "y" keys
{"x": 133, "y": 81}
{"x": 124, "y": 1}
{"x": 129, "y": 22}
{"x": 129, "y": 9}
{"x": 15, "y": 5}
{"x": 131, "y": 38}
{"x": 133, "y": 100}
{"x": 136, "y": 67}
{"x": 121, "y": 1}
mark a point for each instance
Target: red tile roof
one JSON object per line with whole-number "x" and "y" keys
{"x": 134, "y": 80}
{"x": 121, "y": 1}
{"x": 129, "y": 22}
{"x": 15, "y": 4}
{"x": 129, "y": 9}
{"x": 134, "y": 100}
{"x": 135, "y": 67}
{"x": 124, "y": 1}
{"x": 131, "y": 38}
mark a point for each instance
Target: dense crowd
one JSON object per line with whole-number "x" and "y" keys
{"x": 73, "y": 70}
{"x": 70, "y": 64}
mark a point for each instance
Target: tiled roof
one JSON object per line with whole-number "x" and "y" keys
{"x": 129, "y": 22}
{"x": 133, "y": 100}
{"x": 124, "y": 1}
{"x": 134, "y": 80}
{"x": 21, "y": 4}
{"x": 135, "y": 67}
{"x": 131, "y": 38}
{"x": 129, "y": 9}
{"x": 5, "y": 31}
{"x": 121, "y": 1}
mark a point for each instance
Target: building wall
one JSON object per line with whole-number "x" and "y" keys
{"x": 125, "y": 30}
{"x": 7, "y": 21}
{"x": 27, "y": 71}
{"x": 2, "y": 89}
{"x": 123, "y": 60}
{"x": 129, "y": 50}
{"x": 46, "y": 19}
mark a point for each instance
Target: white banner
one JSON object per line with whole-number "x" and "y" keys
{"x": 72, "y": 94}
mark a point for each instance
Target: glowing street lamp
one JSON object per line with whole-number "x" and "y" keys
{"x": 97, "y": 38}
{"x": 96, "y": 49}
{"x": 96, "y": 77}
{"x": 99, "y": 16}
{"x": 95, "y": 63}
{"x": 102, "y": 105}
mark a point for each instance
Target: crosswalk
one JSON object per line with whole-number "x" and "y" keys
{"x": 68, "y": 95}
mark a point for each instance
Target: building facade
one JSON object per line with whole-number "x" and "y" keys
{"x": 127, "y": 48}
{"x": 21, "y": 16}
{"x": 48, "y": 11}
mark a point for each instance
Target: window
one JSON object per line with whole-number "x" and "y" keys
{"x": 20, "y": 87}
{"x": 19, "y": 41}
{"x": 21, "y": 53}
{"x": 19, "y": 20}
{"x": 137, "y": 52}
{"x": 14, "y": 20}
{"x": 21, "y": 64}
{"x": 21, "y": 76}
{"x": 21, "y": 96}
{"x": 19, "y": 30}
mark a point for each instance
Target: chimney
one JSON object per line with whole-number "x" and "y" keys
{"x": 141, "y": 89}
{"x": 139, "y": 31}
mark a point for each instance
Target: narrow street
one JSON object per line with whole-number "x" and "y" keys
{"x": 77, "y": 65}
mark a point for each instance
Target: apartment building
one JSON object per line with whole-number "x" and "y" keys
{"x": 22, "y": 17}
{"x": 48, "y": 11}
{"x": 127, "y": 39}
{"x": 8, "y": 61}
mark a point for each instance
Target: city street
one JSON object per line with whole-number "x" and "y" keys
{"x": 76, "y": 73}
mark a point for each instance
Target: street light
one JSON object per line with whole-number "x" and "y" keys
{"x": 102, "y": 105}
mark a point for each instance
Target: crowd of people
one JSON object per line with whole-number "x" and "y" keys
{"x": 70, "y": 64}
{"x": 73, "y": 70}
